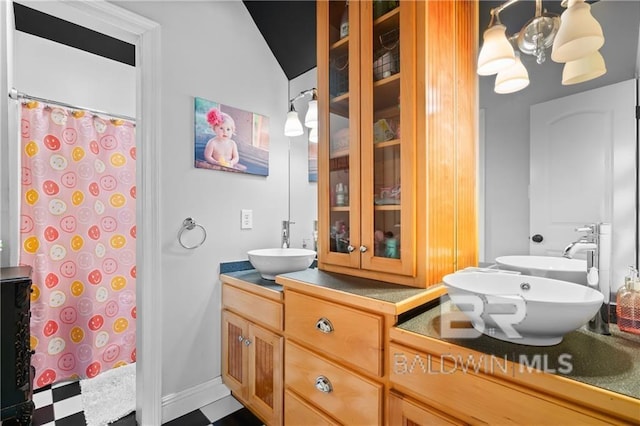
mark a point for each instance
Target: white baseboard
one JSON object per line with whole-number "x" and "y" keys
{"x": 178, "y": 404}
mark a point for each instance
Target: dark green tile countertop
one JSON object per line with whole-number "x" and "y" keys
{"x": 378, "y": 290}
{"x": 609, "y": 362}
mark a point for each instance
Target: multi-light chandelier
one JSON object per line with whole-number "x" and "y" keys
{"x": 574, "y": 38}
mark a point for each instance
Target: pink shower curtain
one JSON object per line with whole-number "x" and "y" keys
{"x": 78, "y": 232}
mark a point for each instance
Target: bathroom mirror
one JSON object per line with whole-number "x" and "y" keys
{"x": 505, "y": 123}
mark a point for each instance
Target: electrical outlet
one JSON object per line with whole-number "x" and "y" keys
{"x": 246, "y": 219}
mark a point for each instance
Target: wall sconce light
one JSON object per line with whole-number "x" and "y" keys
{"x": 574, "y": 37}
{"x": 512, "y": 79}
{"x": 313, "y": 135}
{"x": 584, "y": 69}
{"x": 293, "y": 127}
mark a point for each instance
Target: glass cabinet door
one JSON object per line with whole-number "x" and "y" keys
{"x": 367, "y": 158}
{"x": 386, "y": 167}
{"x": 393, "y": 78}
{"x": 342, "y": 130}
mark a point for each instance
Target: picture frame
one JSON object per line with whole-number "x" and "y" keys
{"x": 230, "y": 139}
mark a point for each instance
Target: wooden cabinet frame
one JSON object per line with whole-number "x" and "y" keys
{"x": 252, "y": 355}
{"x": 491, "y": 395}
{"x": 438, "y": 110}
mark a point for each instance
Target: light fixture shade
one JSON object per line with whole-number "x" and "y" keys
{"x": 496, "y": 53}
{"x": 311, "y": 118}
{"x": 313, "y": 135}
{"x": 293, "y": 127}
{"x": 512, "y": 79}
{"x": 584, "y": 69}
{"x": 579, "y": 34}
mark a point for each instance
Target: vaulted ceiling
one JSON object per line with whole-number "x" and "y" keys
{"x": 289, "y": 28}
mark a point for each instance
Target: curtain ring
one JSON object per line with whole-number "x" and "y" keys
{"x": 187, "y": 225}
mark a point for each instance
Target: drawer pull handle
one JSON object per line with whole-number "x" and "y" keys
{"x": 247, "y": 342}
{"x": 324, "y": 325}
{"x": 323, "y": 384}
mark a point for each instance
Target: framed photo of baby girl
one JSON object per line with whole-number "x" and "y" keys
{"x": 230, "y": 139}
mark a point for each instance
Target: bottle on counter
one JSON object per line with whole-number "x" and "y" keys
{"x": 628, "y": 303}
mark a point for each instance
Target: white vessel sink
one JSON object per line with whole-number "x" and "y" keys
{"x": 273, "y": 261}
{"x": 537, "y": 311}
{"x": 559, "y": 268}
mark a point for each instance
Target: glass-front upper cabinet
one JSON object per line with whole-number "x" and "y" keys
{"x": 365, "y": 164}
{"x": 339, "y": 224}
{"x": 397, "y": 102}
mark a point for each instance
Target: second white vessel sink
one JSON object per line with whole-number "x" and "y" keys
{"x": 522, "y": 309}
{"x": 558, "y": 268}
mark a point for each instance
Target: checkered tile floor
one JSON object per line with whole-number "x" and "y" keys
{"x": 60, "y": 405}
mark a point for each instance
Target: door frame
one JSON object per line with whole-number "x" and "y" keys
{"x": 145, "y": 35}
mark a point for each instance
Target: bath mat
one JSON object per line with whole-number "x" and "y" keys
{"x": 109, "y": 396}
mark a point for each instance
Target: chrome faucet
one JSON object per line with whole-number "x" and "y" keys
{"x": 286, "y": 236}
{"x": 595, "y": 242}
{"x": 587, "y": 243}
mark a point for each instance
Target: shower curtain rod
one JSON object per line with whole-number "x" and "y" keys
{"x": 16, "y": 95}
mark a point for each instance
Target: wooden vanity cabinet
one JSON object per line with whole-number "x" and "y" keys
{"x": 397, "y": 138}
{"x": 298, "y": 411}
{"x": 435, "y": 382}
{"x": 252, "y": 348}
{"x": 406, "y": 411}
{"x": 333, "y": 362}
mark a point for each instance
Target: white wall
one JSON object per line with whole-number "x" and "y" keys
{"x": 211, "y": 50}
{"x": 507, "y": 125}
{"x": 304, "y": 199}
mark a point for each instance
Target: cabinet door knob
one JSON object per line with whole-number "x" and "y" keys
{"x": 240, "y": 338}
{"x": 323, "y": 384}
{"x": 537, "y": 238}
{"x": 363, "y": 249}
{"x": 324, "y": 325}
{"x": 247, "y": 342}
{"x": 350, "y": 248}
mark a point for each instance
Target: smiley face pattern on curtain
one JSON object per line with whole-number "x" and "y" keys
{"x": 78, "y": 232}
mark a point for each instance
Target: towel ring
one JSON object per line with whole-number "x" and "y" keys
{"x": 187, "y": 225}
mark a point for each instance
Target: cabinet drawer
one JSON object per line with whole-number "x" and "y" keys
{"x": 476, "y": 397}
{"x": 253, "y": 307}
{"x": 350, "y": 335}
{"x": 403, "y": 411}
{"x": 298, "y": 412}
{"x": 347, "y": 396}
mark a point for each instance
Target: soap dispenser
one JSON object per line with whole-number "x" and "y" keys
{"x": 628, "y": 303}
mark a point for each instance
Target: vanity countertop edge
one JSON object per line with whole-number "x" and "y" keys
{"x": 251, "y": 281}
{"x": 376, "y": 296}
